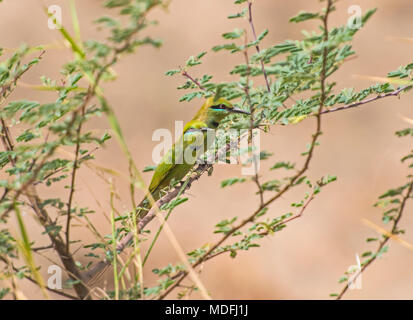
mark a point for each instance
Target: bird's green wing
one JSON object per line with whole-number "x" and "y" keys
{"x": 165, "y": 166}
{"x": 172, "y": 161}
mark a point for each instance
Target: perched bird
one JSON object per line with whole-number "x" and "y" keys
{"x": 175, "y": 164}
{"x": 179, "y": 160}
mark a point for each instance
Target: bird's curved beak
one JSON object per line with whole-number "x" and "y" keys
{"x": 236, "y": 110}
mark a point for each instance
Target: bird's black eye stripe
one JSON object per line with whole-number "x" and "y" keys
{"x": 220, "y": 107}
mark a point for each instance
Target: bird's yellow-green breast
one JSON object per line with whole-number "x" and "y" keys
{"x": 175, "y": 163}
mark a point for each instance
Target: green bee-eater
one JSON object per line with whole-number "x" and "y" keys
{"x": 179, "y": 160}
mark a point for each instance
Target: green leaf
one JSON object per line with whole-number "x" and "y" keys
{"x": 366, "y": 254}
{"x": 110, "y": 22}
{"x": 368, "y": 15}
{"x": 303, "y": 16}
{"x": 262, "y": 212}
{"x": 262, "y": 35}
{"x": 13, "y": 107}
{"x": 25, "y": 136}
{"x": 231, "y": 181}
{"x": 228, "y": 46}
{"x": 199, "y": 56}
{"x": 172, "y": 72}
{"x": 286, "y": 165}
{"x": 193, "y": 61}
{"x": 238, "y": 15}
{"x": 343, "y": 279}
{"x": 115, "y": 3}
{"x": 149, "y": 168}
{"x": 264, "y": 155}
{"x": 237, "y": 33}
{"x": 4, "y": 291}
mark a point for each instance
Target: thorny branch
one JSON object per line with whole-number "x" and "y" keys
{"x": 250, "y": 20}
{"x": 252, "y": 122}
{"x": 101, "y": 266}
{"x": 28, "y": 188}
{"x": 190, "y": 78}
{"x": 386, "y": 239}
{"x": 394, "y": 93}
{"x": 73, "y": 175}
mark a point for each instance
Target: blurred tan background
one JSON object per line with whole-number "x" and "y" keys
{"x": 306, "y": 260}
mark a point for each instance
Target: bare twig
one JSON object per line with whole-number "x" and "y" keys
{"x": 252, "y": 122}
{"x": 298, "y": 215}
{"x": 50, "y": 246}
{"x": 190, "y": 78}
{"x": 386, "y": 238}
{"x": 394, "y": 93}
{"x": 73, "y": 175}
{"x": 250, "y": 20}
